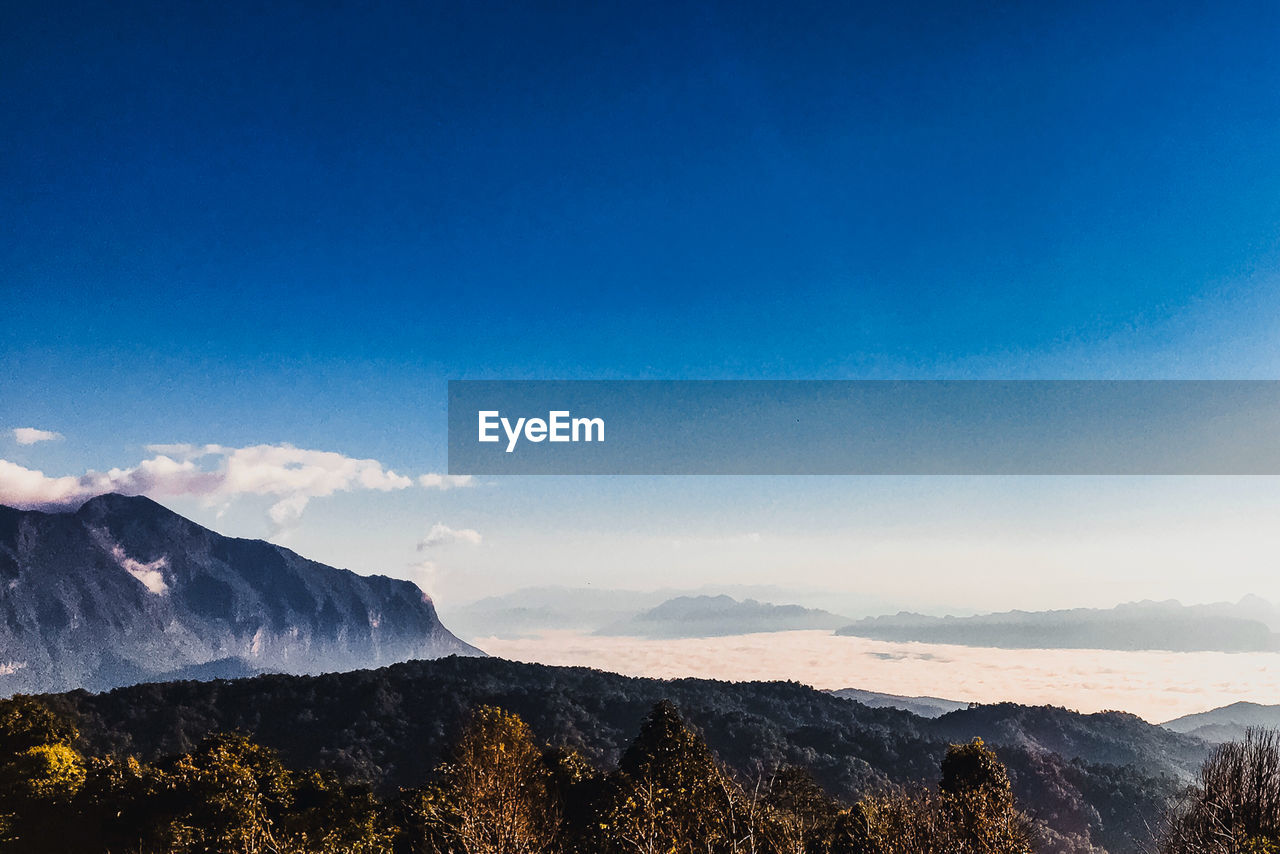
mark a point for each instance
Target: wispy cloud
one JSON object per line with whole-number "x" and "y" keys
{"x": 444, "y": 481}
{"x": 442, "y": 535}
{"x": 426, "y": 574}
{"x": 150, "y": 574}
{"x": 30, "y": 435}
{"x": 216, "y": 473}
{"x": 30, "y": 489}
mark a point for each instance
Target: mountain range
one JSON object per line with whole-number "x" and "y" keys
{"x": 925, "y": 707}
{"x": 123, "y": 590}
{"x": 1227, "y": 723}
{"x": 532, "y": 611}
{"x": 1245, "y": 626}
{"x": 712, "y": 616}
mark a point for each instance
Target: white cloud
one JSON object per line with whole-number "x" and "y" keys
{"x": 426, "y": 574}
{"x": 1156, "y": 685}
{"x": 25, "y": 488}
{"x": 288, "y": 471}
{"x": 216, "y": 473}
{"x": 287, "y": 512}
{"x": 442, "y": 535}
{"x": 444, "y": 481}
{"x": 30, "y": 435}
{"x": 184, "y": 451}
{"x": 149, "y": 574}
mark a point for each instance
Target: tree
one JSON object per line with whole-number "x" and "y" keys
{"x": 979, "y": 796}
{"x": 25, "y": 722}
{"x": 46, "y": 772}
{"x": 669, "y": 794}
{"x": 120, "y": 807}
{"x": 799, "y": 817}
{"x": 576, "y": 789}
{"x": 973, "y": 812}
{"x": 328, "y": 817}
{"x": 40, "y": 774}
{"x": 226, "y": 796}
{"x": 1235, "y": 806}
{"x": 897, "y": 821}
{"x": 494, "y": 795}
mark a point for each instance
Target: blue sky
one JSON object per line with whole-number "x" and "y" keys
{"x": 295, "y": 225}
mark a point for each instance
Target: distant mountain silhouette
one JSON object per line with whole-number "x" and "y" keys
{"x": 1245, "y": 626}
{"x": 713, "y": 616}
{"x": 1227, "y": 723}
{"x": 536, "y": 610}
{"x": 124, "y": 591}
{"x": 532, "y": 611}
{"x": 925, "y": 707}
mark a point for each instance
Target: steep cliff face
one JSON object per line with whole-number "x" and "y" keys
{"x": 124, "y": 590}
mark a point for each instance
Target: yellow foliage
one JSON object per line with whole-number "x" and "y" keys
{"x": 52, "y": 772}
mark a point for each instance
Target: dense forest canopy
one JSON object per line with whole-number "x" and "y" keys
{"x": 1085, "y": 781}
{"x": 497, "y": 791}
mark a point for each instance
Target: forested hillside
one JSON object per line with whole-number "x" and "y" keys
{"x": 496, "y": 791}
{"x": 390, "y": 727}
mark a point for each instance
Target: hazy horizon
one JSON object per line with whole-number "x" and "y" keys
{"x": 890, "y": 554}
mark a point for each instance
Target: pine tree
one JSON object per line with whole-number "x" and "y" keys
{"x": 669, "y": 795}
{"x": 979, "y": 797}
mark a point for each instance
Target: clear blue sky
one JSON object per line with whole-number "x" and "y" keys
{"x": 294, "y": 222}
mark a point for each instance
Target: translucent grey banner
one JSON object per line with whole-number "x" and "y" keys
{"x": 875, "y": 427}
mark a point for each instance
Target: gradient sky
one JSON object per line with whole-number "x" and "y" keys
{"x": 293, "y": 224}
